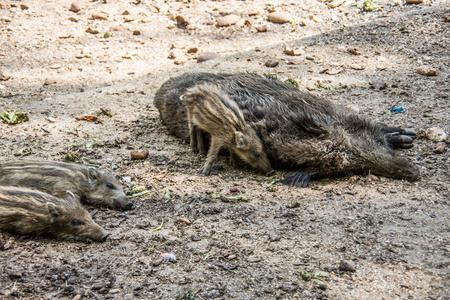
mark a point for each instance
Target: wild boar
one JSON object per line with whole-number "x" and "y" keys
{"x": 31, "y": 212}
{"x": 210, "y": 110}
{"x": 92, "y": 185}
{"x": 301, "y": 132}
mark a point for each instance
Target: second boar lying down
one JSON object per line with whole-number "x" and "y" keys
{"x": 301, "y": 132}
{"x": 93, "y": 186}
{"x": 210, "y": 110}
{"x": 32, "y": 212}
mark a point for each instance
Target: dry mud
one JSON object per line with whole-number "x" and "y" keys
{"x": 394, "y": 233}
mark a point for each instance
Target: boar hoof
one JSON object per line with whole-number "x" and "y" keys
{"x": 297, "y": 178}
{"x": 397, "y": 140}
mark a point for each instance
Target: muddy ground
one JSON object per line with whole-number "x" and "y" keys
{"x": 395, "y": 234}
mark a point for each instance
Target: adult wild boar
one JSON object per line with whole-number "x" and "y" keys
{"x": 301, "y": 132}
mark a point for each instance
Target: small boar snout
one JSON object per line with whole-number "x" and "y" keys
{"x": 128, "y": 205}
{"x": 104, "y": 236}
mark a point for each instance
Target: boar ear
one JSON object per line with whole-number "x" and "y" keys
{"x": 240, "y": 139}
{"x": 92, "y": 175}
{"x": 54, "y": 210}
{"x": 71, "y": 197}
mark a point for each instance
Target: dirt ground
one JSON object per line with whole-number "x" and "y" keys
{"x": 364, "y": 237}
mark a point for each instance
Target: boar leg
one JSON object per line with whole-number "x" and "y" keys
{"x": 213, "y": 153}
{"x": 200, "y": 141}
{"x": 233, "y": 159}
{"x": 193, "y": 137}
{"x": 297, "y": 178}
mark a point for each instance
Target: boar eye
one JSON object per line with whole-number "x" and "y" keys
{"x": 76, "y": 222}
{"x": 256, "y": 154}
{"x": 110, "y": 186}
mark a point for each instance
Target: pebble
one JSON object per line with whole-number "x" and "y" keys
{"x": 228, "y": 20}
{"x": 272, "y": 63}
{"x": 377, "y": 84}
{"x": 5, "y": 18}
{"x": 234, "y": 189}
{"x": 353, "y": 108}
{"x": 157, "y": 262}
{"x": 136, "y": 32}
{"x": 99, "y": 15}
{"x": 295, "y": 51}
{"x": 77, "y": 297}
{"x": 91, "y": 30}
{"x": 347, "y": 266}
{"x": 426, "y": 71}
{"x": 439, "y": 149}
{"x": 4, "y": 76}
{"x": 206, "y": 56}
{"x": 357, "y": 67}
{"x": 335, "y": 3}
{"x": 414, "y": 1}
{"x": 262, "y": 28}
{"x": 436, "y": 134}
{"x": 49, "y": 81}
{"x": 316, "y": 19}
{"x": 75, "y": 6}
{"x": 182, "y": 21}
{"x": 254, "y": 259}
{"x": 280, "y": 17}
{"x": 447, "y": 18}
{"x": 139, "y": 154}
{"x": 24, "y": 6}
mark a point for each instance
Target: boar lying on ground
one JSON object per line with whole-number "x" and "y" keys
{"x": 31, "y": 212}
{"x": 211, "y": 111}
{"x": 93, "y": 186}
{"x": 301, "y": 132}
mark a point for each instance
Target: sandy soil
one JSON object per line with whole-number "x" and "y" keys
{"x": 393, "y": 234}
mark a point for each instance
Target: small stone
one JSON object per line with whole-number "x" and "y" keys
{"x": 414, "y": 1}
{"x": 446, "y": 18}
{"x": 316, "y": 19}
{"x": 4, "y": 76}
{"x": 157, "y": 262}
{"x": 280, "y": 17}
{"x": 207, "y": 56}
{"x": 139, "y": 154}
{"x": 311, "y": 85}
{"x": 377, "y": 84}
{"x": 426, "y": 71}
{"x": 347, "y": 266}
{"x": 77, "y": 297}
{"x": 436, "y": 134}
{"x": 50, "y": 81}
{"x": 234, "y": 189}
{"x": 372, "y": 177}
{"x": 254, "y": 259}
{"x": 74, "y": 19}
{"x": 439, "y": 149}
{"x": 5, "y": 19}
{"x": 356, "y": 67}
{"x": 136, "y": 32}
{"x": 228, "y": 20}
{"x": 51, "y": 119}
{"x": 75, "y": 6}
{"x": 92, "y": 30}
{"x": 23, "y": 6}
{"x": 335, "y": 3}
{"x": 354, "y": 51}
{"x": 191, "y": 50}
{"x": 192, "y": 27}
{"x": 128, "y": 19}
{"x": 296, "y": 51}
{"x": 262, "y": 28}
{"x": 272, "y": 63}
{"x": 182, "y": 21}
{"x": 99, "y": 15}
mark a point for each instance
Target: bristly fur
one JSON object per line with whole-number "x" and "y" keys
{"x": 300, "y": 131}
{"x": 93, "y": 186}
{"x": 210, "y": 110}
{"x": 31, "y": 212}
